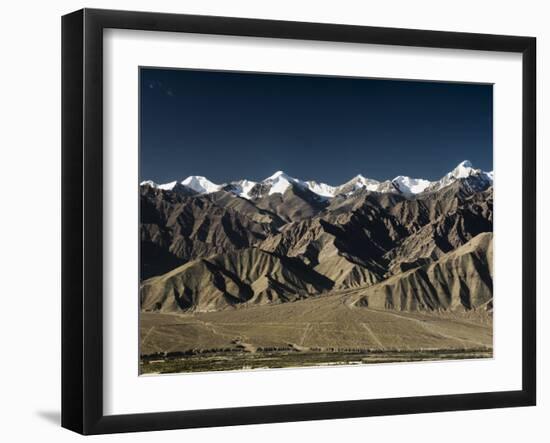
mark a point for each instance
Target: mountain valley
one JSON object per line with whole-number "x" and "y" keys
{"x": 292, "y": 266}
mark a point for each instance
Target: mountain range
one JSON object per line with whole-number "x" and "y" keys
{"x": 402, "y": 244}
{"x": 279, "y": 182}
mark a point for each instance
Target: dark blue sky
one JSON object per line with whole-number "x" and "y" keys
{"x": 230, "y": 125}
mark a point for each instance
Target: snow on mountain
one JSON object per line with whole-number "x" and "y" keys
{"x": 200, "y": 184}
{"x": 464, "y": 170}
{"x": 164, "y": 186}
{"x": 279, "y": 182}
{"x": 356, "y": 183}
{"x": 242, "y": 188}
{"x": 410, "y": 186}
{"x": 368, "y": 183}
{"x": 168, "y": 186}
{"x": 321, "y": 189}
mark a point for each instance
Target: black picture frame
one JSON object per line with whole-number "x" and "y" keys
{"x": 82, "y": 216}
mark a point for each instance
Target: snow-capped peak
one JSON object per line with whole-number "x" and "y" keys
{"x": 200, "y": 184}
{"x": 279, "y": 182}
{"x": 164, "y": 186}
{"x": 242, "y": 188}
{"x": 368, "y": 183}
{"x": 356, "y": 183}
{"x": 168, "y": 186}
{"x": 463, "y": 170}
{"x": 276, "y": 175}
{"x": 410, "y": 186}
{"x": 321, "y": 189}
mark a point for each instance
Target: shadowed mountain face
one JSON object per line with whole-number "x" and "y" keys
{"x": 226, "y": 280}
{"x": 406, "y": 244}
{"x": 175, "y": 229}
{"x": 461, "y": 279}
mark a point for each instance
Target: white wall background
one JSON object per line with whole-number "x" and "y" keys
{"x": 30, "y": 217}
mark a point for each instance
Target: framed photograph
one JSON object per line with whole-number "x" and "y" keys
{"x": 269, "y": 221}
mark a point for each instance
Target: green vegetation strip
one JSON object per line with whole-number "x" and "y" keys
{"x": 270, "y": 360}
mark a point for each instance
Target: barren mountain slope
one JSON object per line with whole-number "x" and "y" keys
{"x": 294, "y": 204}
{"x": 223, "y": 281}
{"x": 176, "y": 229}
{"x": 445, "y": 233}
{"x": 459, "y": 280}
{"x": 353, "y": 240}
